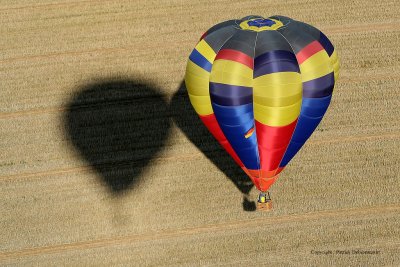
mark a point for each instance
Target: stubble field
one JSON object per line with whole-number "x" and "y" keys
{"x": 103, "y": 162}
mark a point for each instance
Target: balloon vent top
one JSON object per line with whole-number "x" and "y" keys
{"x": 261, "y": 24}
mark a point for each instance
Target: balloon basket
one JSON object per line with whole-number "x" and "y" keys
{"x": 267, "y": 206}
{"x": 264, "y": 202}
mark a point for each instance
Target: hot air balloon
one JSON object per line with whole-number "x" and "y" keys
{"x": 261, "y": 86}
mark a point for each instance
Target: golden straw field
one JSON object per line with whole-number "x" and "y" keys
{"x": 103, "y": 162}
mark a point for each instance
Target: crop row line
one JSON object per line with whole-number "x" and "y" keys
{"x": 341, "y": 214}
{"x": 120, "y": 164}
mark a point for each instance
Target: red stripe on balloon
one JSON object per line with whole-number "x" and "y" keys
{"x": 262, "y": 179}
{"x": 254, "y": 176}
{"x": 212, "y": 125}
{"x": 272, "y": 144}
{"x": 309, "y": 50}
{"x": 236, "y": 56}
{"x": 279, "y": 170}
{"x": 265, "y": 183}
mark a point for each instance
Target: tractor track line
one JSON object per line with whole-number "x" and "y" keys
{"x": 362, "y": 28}
{"x": 58, "y": 4}
{"x": 327, "y": 30}
{"x": 205, "y": 229}
{"x": 89, "y": 168}
{"x": 65, "y": 53}
{"x": 81, "y": 107}
{"x": 355, "y": 138}
{"x": 112, "y": 165}
{"x": 29, "y": 112}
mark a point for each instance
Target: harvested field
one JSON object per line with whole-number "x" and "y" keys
{"x": 103, "y": 161}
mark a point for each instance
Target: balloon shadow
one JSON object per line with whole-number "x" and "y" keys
{"x": 118, "y": 126}
{"x": 188, "y": 121}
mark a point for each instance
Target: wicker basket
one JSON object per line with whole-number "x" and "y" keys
{"x": 267, "y": 206}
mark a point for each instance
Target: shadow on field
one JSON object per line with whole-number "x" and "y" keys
{"x": 188, "y": 121}
{"x": 118, "y": 126}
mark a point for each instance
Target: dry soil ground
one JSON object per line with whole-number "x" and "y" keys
{"x": 102, "y": 161}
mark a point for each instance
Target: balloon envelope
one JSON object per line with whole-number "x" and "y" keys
{"x": 261, "y": 86}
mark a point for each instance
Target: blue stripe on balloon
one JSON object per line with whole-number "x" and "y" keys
{"x": 261, "y": 22}
{"x": 274, "y": 55}
{"x": 249, "y": 156}
{"x": 326, "y": 44}
{"x": 311, "y": 114}
{"x": 315, "y": 107}
{"x": 319, "y": 87}
{"x": 200, "y": 60}
{"x": 233, "y": 115}
{"x": 235, "y": 122}
{"x": 275, "y": 61}
{"x": 230, "y": 95}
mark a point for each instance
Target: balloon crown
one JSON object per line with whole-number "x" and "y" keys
{"x": 261, "y": 22}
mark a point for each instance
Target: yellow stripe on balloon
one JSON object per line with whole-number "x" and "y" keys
{"x": 277, "y": 98}
{"x": 196, "y": 70}
{"x": 277, "y": 116}
{"x": 316, "y": 66}
{"x": 197, "y": 80}
{"x": 335, "y": 63}
{"x": 277, "y": 95}
{"x": 197, "y": 84}
{"x": 230, "y": 78}
{"x": 206, "y": 50}
{"x": 231, "y": 72}
{"x": 277, "y": 90}
{"x": 334, "y": 56}
{"x": 201, "y": 104}
{"x": 336, "y": 67}
{"x": 277, "y": 101}
{"x": 278, "y": 78}
{"x": 336, "y": 75}
{"x": 317, "y": 59}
